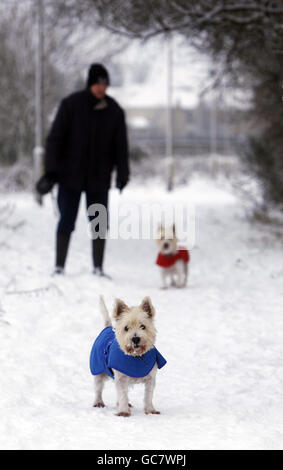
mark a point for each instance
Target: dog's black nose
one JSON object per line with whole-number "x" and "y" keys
{"x": 165, "y": 245}
{"x": 136, "y": 340}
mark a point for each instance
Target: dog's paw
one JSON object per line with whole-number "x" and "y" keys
{"x": 152, "y": 412}
{"x": 126, "y": 414}
{"x": 99, "y": 404}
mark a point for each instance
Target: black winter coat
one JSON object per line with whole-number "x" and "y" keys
{"x": 85, "y": 143}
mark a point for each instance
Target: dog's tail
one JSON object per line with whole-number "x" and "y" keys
{"x": 104, "y": 311}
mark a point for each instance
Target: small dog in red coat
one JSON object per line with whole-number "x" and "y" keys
{"x": 172, "y": 259}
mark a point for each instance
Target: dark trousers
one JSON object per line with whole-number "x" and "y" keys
{"x": 68, "y": 204}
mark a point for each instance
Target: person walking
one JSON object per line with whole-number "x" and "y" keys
{"x": 87, "y": 140}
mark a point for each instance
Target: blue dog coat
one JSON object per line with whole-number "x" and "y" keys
{"x": 106, "y": 355}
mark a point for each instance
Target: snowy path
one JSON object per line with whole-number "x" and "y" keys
{"x": 222, "y": 336}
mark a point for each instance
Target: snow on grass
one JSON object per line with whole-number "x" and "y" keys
{"x": 221, "y": 336}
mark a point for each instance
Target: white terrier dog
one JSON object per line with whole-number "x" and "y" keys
{"x": 126, "y": 354}
{"x": 173, "y": 260}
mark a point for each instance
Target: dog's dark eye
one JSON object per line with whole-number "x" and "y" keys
{"x": 126, "y": 328}
{"x": 142, "y": 327}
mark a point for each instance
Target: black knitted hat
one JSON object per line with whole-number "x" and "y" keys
{"x": 97, "y": 74}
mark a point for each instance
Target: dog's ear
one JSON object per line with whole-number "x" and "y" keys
{"x": 119, "y": 308}
{"x": 147, "y": 307}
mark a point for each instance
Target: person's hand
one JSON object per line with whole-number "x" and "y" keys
{"x": 45, "y": 184}
{"x": 121, "y": 184}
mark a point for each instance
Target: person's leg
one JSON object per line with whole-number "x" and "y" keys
{"x": 98, "y": 244}
{"x": 68, "y": 204}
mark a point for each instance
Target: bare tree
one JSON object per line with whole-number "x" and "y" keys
{"x": 245, "y": 39}
{"x": 71, "y": 42}
{"x": 147, "y": 18}
{"x": 17, "y": 82}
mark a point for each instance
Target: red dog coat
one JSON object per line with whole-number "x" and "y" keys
{"x": 166, "y": 261}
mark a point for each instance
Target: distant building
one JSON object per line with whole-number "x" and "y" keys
{"x": 155, "y": 118}
{"x": 200, "y": 129}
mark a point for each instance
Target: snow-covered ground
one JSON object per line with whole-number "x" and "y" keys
{"x": 221, "y": 336}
